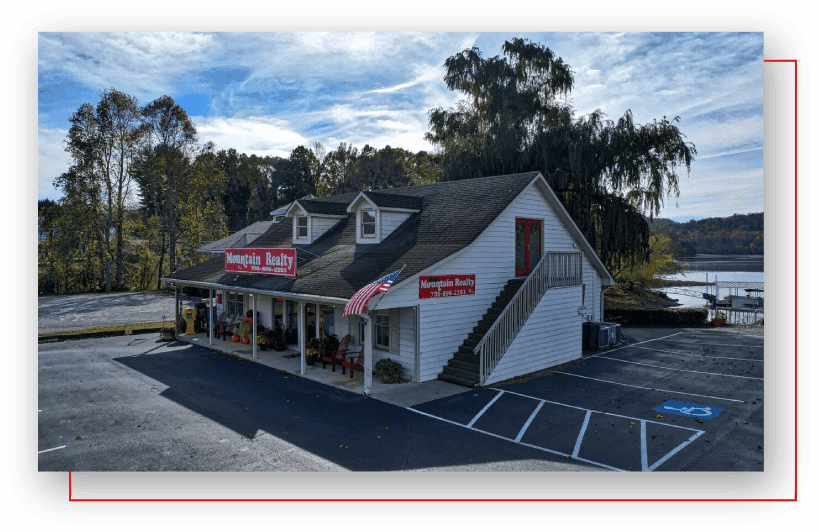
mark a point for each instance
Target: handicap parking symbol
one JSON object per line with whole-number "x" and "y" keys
{"x": 688, "y": 409}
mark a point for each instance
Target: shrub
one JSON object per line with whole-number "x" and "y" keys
{"x": 658, "y": 317}
{"x": 390, "y": 371}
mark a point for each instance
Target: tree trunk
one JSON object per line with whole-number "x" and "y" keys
{"x": 161, "y": 264}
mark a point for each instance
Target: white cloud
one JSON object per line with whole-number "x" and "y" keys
{"x": 433, "y": 74}
{"x": 52, "y": 160}
{"x": 252, "y": 135}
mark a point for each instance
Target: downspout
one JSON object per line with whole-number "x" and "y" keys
{"x": 602, "y": 303}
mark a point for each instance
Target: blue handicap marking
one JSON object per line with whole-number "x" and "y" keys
{"x": 688, "y": 409}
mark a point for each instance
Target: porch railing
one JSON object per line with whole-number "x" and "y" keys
{"x": 554, "y": 269}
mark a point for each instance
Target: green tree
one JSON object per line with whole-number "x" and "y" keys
{"x": 170, "y": 141}
{"x": 120, "y": 129}
{"x": 339, "y": 167}
{"x": 515, "y": 118}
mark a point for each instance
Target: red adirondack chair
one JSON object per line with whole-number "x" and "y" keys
{"x": 354, "y": 365}
{"x": 226, "y": 329}
{"x": 219, "y": 326}
{"x": 338, "y": 357}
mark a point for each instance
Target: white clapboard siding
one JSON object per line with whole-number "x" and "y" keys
{"x": 390, "y": 221}
{"x": 320, "y": 225}
{"x": 446, "y": 322}
{"x": 551, "y": 336}
{"x": 593, "y": 288}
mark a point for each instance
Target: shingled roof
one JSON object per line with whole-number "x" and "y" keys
{"x": 453, "y": 215}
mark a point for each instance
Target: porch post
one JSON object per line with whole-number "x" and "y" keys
{"x": 317, "y": 320}
{"x": 284, "y": 313}
{"x": 255, "y": 321}
{"x": 368, "y": 342}
{"x": 176, "y": 312}
{"x": 210, "y": 316}
{"x": 302, "y": 335}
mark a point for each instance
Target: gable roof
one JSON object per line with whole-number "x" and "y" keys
{"x": 454, "y": 214}
{"x": 314, "y": 206}
{"x": 386, "y": 200}
{"x": 241, "y": 238}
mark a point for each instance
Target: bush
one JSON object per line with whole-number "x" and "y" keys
{"x": 390, "y": 371}
{"x": 658, "y": 317}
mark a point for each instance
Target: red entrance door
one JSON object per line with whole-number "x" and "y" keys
{"x": 527, "y": 245}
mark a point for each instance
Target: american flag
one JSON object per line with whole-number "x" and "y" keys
{"x": 357, "y": 303}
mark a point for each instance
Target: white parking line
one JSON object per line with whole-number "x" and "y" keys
{"x": 581, "y": 434}
{"x": 676, "y": 450}
{"x": 652, "y": 389}
{"x": 527, "y": 423}
{"x": 578, "y": 443}
{"x": 680, "y": 353}
{"x": 685, "y": 370}
{"x": 722, "y": 345}
{"x": 637, "y": 343}
{"x": 512, "y": 441}
{"x": 484, "y": 409}
{"x": 54, "y": 449}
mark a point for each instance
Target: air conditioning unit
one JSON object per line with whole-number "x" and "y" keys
{"x": 590, "y": 335}
{"x": 604, "y": 337}
{"x": 616, "y": 332}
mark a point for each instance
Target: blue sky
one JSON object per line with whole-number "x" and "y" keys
{"x": 266, "y": 93}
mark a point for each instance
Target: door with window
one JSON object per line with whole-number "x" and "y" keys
{"x": 527, "y": 245}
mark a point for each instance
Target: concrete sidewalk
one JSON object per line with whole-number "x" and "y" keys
{"x": 405, "y": 394}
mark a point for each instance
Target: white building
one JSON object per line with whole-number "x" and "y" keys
{"x": 496, "y": 280}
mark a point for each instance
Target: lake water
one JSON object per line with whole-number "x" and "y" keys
{"x": 710, "y": 268}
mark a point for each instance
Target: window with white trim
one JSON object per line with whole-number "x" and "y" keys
{"x": 301, "y": 227}
{"x": 368, "y": 224}
{"x": 382, "y": 330}
{"x": 235, "y": 304}
{"x": 386, "y": 324}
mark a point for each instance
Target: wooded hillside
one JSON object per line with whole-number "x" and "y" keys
{"x": 739, "y": 234}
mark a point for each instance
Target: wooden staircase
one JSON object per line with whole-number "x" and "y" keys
{"x": 464, "y": 367}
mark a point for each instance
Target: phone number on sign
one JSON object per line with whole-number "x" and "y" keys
{"x": 446, "y": 293}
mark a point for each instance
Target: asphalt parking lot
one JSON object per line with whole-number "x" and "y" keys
{"x": 670, "y": 400}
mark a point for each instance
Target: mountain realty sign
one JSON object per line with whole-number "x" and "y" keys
{"x": 269, "y": 261}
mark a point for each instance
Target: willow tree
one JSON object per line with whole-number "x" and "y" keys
{"x": 515, "y": 117}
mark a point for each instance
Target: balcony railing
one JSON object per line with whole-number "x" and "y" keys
{"x": 553, "y": 270}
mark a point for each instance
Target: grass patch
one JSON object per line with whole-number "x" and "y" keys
{"x": 104, "y": 330}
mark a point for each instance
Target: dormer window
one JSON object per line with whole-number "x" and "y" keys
{"x": 301, "y": 226}
{"x": 367, "y": 224}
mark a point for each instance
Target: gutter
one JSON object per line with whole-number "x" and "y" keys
{"x": 286, "y": 295}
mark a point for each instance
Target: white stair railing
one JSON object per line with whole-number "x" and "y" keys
{"x": 554, "y": 269}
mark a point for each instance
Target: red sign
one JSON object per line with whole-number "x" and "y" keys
{"x": 446, "y": 286}
{"x": 269, "y": 261}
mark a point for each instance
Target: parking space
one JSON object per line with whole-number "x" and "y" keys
{"x": 669, "y": 400}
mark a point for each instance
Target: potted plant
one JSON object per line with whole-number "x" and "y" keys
{"x": 235, "y": 338}
{"x": 278, "y": 339}
{"x": 262, "y": 342}
{"x": 313, "y": 351}
{"x": 719, "y": 319}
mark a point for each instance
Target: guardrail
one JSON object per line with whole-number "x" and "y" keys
{"x": 555, "y": 269}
